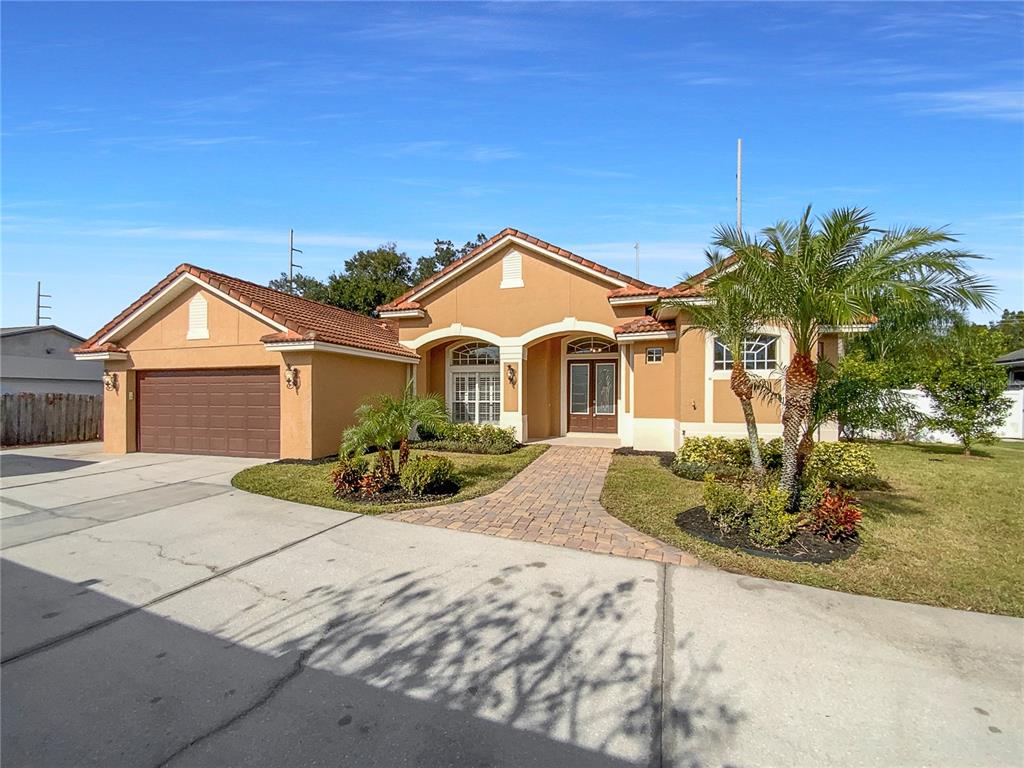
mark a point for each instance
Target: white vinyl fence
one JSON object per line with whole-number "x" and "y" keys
{"x": 1012, "y": 427}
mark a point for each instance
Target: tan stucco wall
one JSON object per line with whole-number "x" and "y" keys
{"x": 542, "y": 396}
{"x": 728, "y": 411}
{"x": 312, "y": 415}
{"x": 341, "y": 383}
{"x": 691, "y": 376}
{"x": 655, "y": 383}
{"x": 510, "y": 389}
{"x": 551, "y": 293}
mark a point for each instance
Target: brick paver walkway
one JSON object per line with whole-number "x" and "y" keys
{"x": 555, "y": 500}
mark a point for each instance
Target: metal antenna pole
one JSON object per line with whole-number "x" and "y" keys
{"x": 292, "y": 250}
{"x": 39, "y": 303}
{"x": 636, "y": 247}
{"x": 739, "y": 185}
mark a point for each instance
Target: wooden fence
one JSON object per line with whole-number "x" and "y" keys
{"x": 52, "y": 418}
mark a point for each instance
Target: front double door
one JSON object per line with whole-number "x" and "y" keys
{"x": 592, "y": 393}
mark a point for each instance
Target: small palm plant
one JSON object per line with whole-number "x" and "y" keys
{"x": 385, "y": 421}
{"x": 838, "y": 271}
{"x": 731, "y": 316}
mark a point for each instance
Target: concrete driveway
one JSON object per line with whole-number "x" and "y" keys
{"x": 152, "y": 615}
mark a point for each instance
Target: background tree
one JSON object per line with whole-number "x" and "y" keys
{"x": 301, "y": 285}
{"x": 835, "y": 271}
{"x": 966, "y": 387}
{"x": 731, "y": 316}
{"x": 445, "y": 253}
{"x": 368, "y": 279}
{"x": 1011, "y": 326}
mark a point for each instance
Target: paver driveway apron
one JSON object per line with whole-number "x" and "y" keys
{"x": 556, "y": 500}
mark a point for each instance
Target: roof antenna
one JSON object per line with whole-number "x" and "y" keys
{"x": 39, "y": 302}
{"x": 292, "y": 250}
{"x": 636, "y": 247}
{"x": 739, "y": 185}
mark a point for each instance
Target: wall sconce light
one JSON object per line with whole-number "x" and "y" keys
{"x": 291, "y": 377}
{"x": 510, "y": 374}
{"x": 109, "y": 381}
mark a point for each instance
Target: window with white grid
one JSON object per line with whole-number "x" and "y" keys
{"x": 759, "y": 354}
{"x": 475, "y": 394}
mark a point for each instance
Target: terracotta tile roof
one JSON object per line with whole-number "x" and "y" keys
{"x": 510, "y": 232}
{"x": 696, "y": 285}
{"x": 633, "y": 290}
{"x": 85, "y": 348}
{"x": 645, "y": 324}
{"x": 304, "y": 320}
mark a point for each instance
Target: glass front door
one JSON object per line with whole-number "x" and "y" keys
{"x": 592, "y": 395}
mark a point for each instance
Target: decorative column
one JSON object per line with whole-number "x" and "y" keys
{"x": 513, "y": 381}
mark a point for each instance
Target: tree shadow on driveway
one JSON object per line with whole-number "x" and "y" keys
{"x": 388, "y": 670}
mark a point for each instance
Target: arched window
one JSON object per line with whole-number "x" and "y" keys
{"x": 591, "y": 345}
{"x": 475, "y": 353}
{"x": 475, "y": 383}
{"x": 760, "y": 353}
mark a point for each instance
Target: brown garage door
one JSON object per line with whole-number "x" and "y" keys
{"x": 218, "y": 412}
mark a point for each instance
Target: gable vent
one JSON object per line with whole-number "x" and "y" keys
{"x": 512, "y": 270}
{"x": 197, "y": 328}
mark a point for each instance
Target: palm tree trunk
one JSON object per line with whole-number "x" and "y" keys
{"x": 803, "y": 451}
{"x": 743, "y": 388}
{"x": 403, "y": 454}
{"x": 801, "y": 380}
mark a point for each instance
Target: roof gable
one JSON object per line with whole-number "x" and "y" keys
{"x": 292, "y": 318}
{"x": 615, "y": 280}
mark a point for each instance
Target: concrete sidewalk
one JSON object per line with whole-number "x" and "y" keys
{"x": 240, "y": 630}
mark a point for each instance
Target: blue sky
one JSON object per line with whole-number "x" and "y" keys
{"x": 138, "y": 136}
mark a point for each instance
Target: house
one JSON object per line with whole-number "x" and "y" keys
{"x": 518, "y": 333}
{"x": 35, "y": 359}
{"x": 207, "y": 363}
{"x": 525, "y": 334}
{"x": 1014, "y": 364}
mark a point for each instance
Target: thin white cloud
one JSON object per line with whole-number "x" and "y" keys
{"x": 993, "y": 102}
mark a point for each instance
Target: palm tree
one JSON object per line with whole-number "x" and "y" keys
{"x": 731, "y": 316}
{"x": 385, "y": 420}
{"x": 837, "y": 271}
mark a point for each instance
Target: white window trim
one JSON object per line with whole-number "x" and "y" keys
{"x": 781, "y": 355}
{"x": 647, "y": 356}
{"x": 451, "y": 371}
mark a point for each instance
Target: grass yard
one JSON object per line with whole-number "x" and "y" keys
{"x": 949, "y": 531}
{"x": 311, "y": 484}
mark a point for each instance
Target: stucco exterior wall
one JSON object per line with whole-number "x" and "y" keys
{"x": 312, "y": 414}
{"x": 551, "y": 293}
{"x": 341, "y": 383}
{"x": 654, "y": 383}
{"x": 542, "y": 397}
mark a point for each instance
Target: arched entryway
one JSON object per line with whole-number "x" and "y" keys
{"x": 592, "y": 388}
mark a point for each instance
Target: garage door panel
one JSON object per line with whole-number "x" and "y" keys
{"x": 226, "y": 412}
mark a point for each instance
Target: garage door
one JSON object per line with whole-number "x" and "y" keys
{"x": 218, "y": 412}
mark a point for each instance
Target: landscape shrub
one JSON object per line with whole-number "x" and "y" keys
{"x": 727, "y": 505}
{"x": 770, "y": 523}
{"x": 428, "y": 475}
{"x": 848, "y": 465}
{"x": 835, "y": 516}
{"x": 771, "y": 453}
{"x": 472, "y": 438}
{"x": 709, "y": 451}
{"x": 376, "y": 480}
{"x": 350, "y": 470}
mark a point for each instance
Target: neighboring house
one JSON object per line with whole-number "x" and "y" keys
{"x": 37, "y": 359}
{"x": 1014, "y": 364}
{"x": 206, "y": 363}
{"x": 518, "y": 333}
{"x": 524, "y": 334}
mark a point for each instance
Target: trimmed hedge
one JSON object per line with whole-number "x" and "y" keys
{"x": 471, "y": 438}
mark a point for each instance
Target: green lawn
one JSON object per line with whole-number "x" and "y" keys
{"x": 948, "y": 532}
{"x": 310, "y": 483}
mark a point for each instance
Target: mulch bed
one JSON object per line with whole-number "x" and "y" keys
{"x": 665, "y": 458}
{"x": 395, "y": 496}
{"x": 804, "y": 547}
